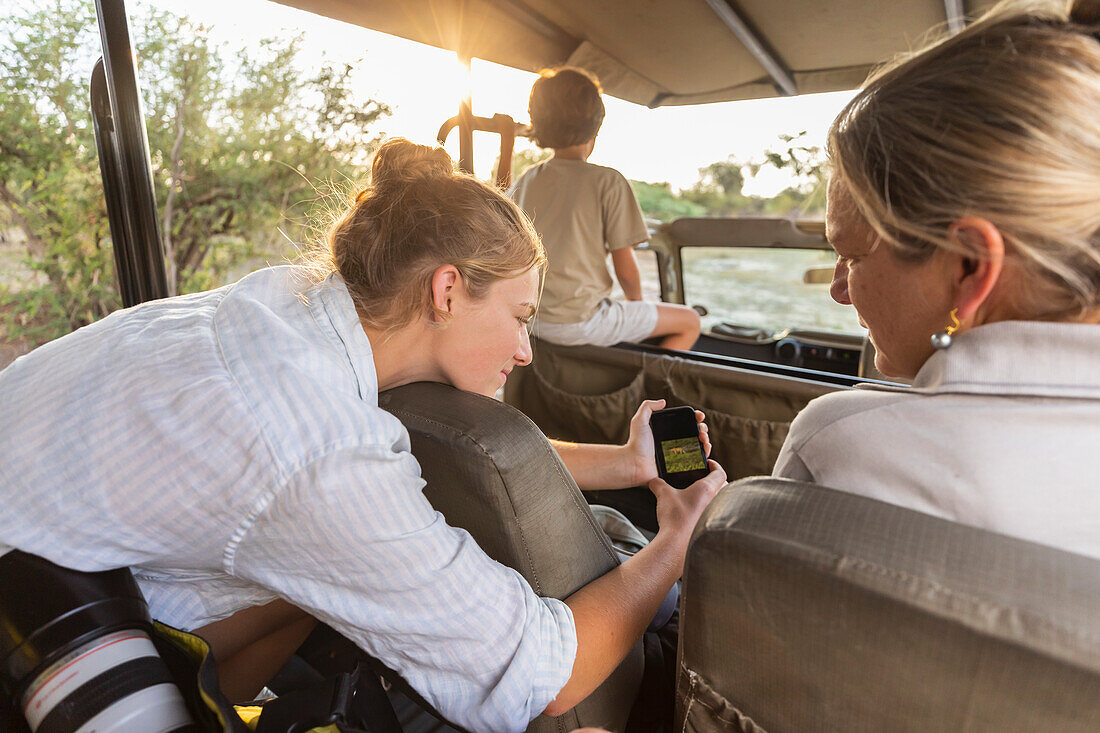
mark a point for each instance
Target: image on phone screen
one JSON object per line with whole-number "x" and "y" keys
{"x": 679, "y": 452}
{"x": 682, "y": 454}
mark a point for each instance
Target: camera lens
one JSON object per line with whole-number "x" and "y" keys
{"x": 116, "y": 682}
{"x": 75, "y": 651}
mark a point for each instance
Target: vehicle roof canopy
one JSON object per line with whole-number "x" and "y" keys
{"x": 670, "y": 52}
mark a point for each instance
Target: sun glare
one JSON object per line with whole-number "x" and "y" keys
{"x": 424, "y": 85}
{"x": 457, "y": 78}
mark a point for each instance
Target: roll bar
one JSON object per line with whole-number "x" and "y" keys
{"x": 502, "y": 125}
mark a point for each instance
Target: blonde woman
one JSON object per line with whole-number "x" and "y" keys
{"x": 229, "y": 448}
{"x": 964, "y": 207}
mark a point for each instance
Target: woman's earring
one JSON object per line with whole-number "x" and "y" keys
{"x": 942, "y": 339}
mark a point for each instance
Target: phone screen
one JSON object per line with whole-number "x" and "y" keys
{"x": 682, "y": 454}
{"x": 679, "y": 452}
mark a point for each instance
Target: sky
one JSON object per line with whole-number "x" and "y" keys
{"x": 423, "y": 86}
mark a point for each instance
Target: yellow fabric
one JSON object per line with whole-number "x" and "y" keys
{"x": 250, "y": 714}
{"x": 199, "y": 651}
{"x": 195, "y": 646}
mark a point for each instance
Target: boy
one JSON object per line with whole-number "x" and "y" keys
{"x": 582, "y": 211}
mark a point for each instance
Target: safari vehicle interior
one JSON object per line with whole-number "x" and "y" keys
{"x": 802, "y": 608}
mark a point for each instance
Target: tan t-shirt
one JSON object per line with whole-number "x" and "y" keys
{"x": 582, "y": 211}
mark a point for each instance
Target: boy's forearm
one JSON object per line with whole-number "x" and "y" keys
{"x": 632, "y": 289}
{"x": 627, "y": 273}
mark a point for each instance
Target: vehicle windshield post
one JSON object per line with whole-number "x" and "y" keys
{"x": 124, "y": 162}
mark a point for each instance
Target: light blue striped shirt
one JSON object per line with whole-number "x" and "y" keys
{"x": 229, "y": 448}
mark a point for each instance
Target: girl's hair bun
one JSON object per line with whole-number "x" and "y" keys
{"x": 401, "y": 161}
{"x": 417, "y": 215}
{"x": 1085, "y": 12}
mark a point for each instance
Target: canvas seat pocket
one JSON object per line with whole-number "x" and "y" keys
{"x": 599, "y": 418}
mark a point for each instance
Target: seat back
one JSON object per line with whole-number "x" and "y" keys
{"x": 492, "y": 472}
{"x": 805, "y": 608}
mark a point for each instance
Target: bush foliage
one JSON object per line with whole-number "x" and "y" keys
{"x": 235, "y": 144}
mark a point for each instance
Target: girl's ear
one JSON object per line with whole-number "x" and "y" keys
{"x": 979, "y": 265}
{"x": 446, "y": 282}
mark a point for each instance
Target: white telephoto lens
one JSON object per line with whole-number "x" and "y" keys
{"x": 116, "y": 682}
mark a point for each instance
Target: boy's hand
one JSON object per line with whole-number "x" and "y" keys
{"x": 639, "y": 446}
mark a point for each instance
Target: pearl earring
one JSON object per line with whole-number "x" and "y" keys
{"x": 942, "y": 339}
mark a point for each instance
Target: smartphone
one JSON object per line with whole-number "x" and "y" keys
{"x": 679, "y": 452}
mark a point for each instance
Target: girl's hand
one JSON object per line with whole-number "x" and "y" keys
{"x": 639, "y": 445}
{"x": 678, "y": 510}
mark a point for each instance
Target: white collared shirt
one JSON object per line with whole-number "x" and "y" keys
{"x": 229, "y": 448}
{"x": 1001, "y": 431}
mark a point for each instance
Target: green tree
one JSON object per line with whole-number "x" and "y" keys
{"x": 524, "y": 156}
{"x": 658, "y": 201}
{"x": 806, "y": 198}
{"x": 236, "y": 144}
{"x": 48, "y": 170}
{"x": 718, "y": 191}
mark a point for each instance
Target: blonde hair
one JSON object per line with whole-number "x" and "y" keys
{"x": 1002, "y": 122}
{"x": 417, "y": 215}
{"x": 565, "y": 106}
